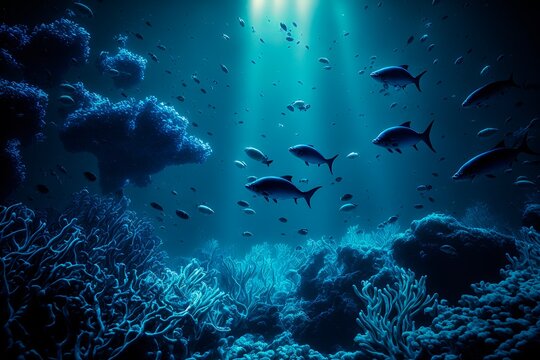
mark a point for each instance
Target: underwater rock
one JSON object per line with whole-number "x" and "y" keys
{"x": 479, "y": 254}
{"x": 131, "y": 139}
{"x": 531, "y": 216}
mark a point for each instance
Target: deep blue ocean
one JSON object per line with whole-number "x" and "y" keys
{"x": 153, "y": 206}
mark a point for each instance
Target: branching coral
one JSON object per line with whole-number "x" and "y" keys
{"x": 389, "y": 314}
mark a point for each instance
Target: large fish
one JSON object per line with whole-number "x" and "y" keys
{"x": 310, "y": 155}
{"x": 274, "y": 187}
{"x": 257, "y": 155}
{"x": 398, "y": 76}
{"x": 499, "y": 157}
{"x": 396, "y": 137}
{"x": 479, "y": 96}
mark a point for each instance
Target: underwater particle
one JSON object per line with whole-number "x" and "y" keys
{"x": 283, "y": 26}
{"x": 430, "y": 47}
{"x": 138, "y": 36}
{"x": 203, "y": 90}
{"x": 182, "y": 214}
{"x": 156, "y": 206}
{"x": 303, "y": 231}
{"x": 327, "y": 67}
{"x": 225, "y": 36}
{"x": 431, "y": 199}
{"x": 459, "y": 60}
{"x": 66, "y": 100}
{"x": 224, "y": 69}
{"x": 42, "y": 189}
{"x": 323, "y": 60}
{"x": 205, "y": 210}
{"x": 393, "y": 105}
{"x": 347, "y": 207}
{"x": 61, "y": 168}
{"x": 422, "y": 188}
{"x": 423, "y": 38}
{"x": 240, "y": 164}
{"x": 125, "y": 68}
{"x": 148, "y": 23}
{"x": 435, "y": 174}
{"x": 180, "y": 98}
{"x": 282, "y": 219}
{"x": 257, "y": 155}
{"x": 487, "y": 132}
{"x": 485, "y": 70}
{"x": 346, "y": 197}
{"x": 90, "y": 176}
{"x": 153, "y": 57}
{"x": 83, "y": 10}
{"x": 241, "y": 22}
{"x": 242, "y": 203}
{"x": 352, "y": 155}
{"x": 500, "y": 58}
{"x": 418, "y": 206}
{"x": 410, "y": 39}
{"x": 249, "y": 211}
{"x": 247, "y": 234}
{"x": 339, "y": 179}
{"x": 448, "y": 249}
{"x": 174, "y": 192}
{"x": 161, "y": 47}
{"x": 251, "y": 178}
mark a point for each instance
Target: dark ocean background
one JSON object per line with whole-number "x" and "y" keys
{"x": 247, "y": 107}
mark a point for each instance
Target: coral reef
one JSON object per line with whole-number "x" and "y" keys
{"x": 131, "y": 139}
{"x": 125, "y": 68}
{"x": 452, "y": 255}
{"x": 531, "y": 216}
{"x": 12, "y": 167}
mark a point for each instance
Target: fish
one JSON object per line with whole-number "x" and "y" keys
{"x": 499, "y": 157}
{"x": 156, "y": 206}
{"x": 138, "y": 36}
{"x": 249, "y": 211}
{"x": 148, "y": 23}
{"x": 525, "y": 183}
{"x": 241, "y": 22}
{"x": 90, "y": 176}
{"x": 67, "y": 87}
{"x": 153, "y": 57}
{"x": 339, "y": 178}
{"x": 418, "y": 206}
{"x": 225, "y": 36}
{"x": 423, "y": 38}
{"x": 196, "y": 79}
{"x": 484, "y": 70}
{"x": 487, "y": 132}
{"x": 43, "y": 189}
{"x": 397, "y": 76}
{"x": 257, "y": 155}
{"x": 410, "y": 39}
{"x": 397, "y": 137}
{"x": 182, "y": 214}
{"x": 479, "y": 96}
{"x": 247, "y": 234}
{"x": 240, "y": 164}
{"x": 352, "y": 155}
{"x": 283, "y": 219}
{"x": 283, "y": 26}
{"x": 346, "y": 197}
{"x": 448, "y": 249}
{"x": 274, "y": 187}
{"x": 347, "y": 207}
{"x": 430, "y": 47}
{"x": 424, "y": 188}
{"x": 180, "y": 98}
{"x": 309, "y": 154}
{"x": 323, "y": 60}
{"x": 66, "y": 100}
{"x": 459, "y": 60}
{"x": 174, "y": 192}
{"x": 303, "y": 231}
{"x": 392, "y": 219}
{"x": 224, "y": 68}
{"x": 207, "y": 210}
{"x": 243, "y": 203}
{"x": 298, "y": 104}
{"x": 251, "y": 178}
{"x": 83, "y": 10}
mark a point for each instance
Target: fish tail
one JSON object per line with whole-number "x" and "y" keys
{"x": 308, "y": 194}
{"x": 268, "y": 162}
{"x": 425, "y": 136}
{"x": 330, "y": 162}
{"x": 417, "y": 80}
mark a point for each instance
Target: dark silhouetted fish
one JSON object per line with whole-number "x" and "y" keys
{"x": 156, "y": 206}
{"x": 42, "y": 189}
{"x": 182, "y": 214}
{"x": 398, "y": 76}
{"x": 396, "y": 137}
{"x": 90, "y": 176}
{"x": 274, "y": 187}
{"x": 257, "y": 155}
{"x": 479, "y": 96}
{"x": 310, "y": 155}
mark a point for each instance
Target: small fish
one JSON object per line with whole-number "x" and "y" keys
{"x": 303, "y": 231}
{"x": 247, "y": 234}
{"x": 294, "y": 24}
{"x": 352, "y": 155}
{"x": 392, "y": 219}
{"x": 400, "y": 136}
{"x": 257, "y": 155}
{"x": 138, "y": 36}
{"x": 156, "y": 206}
{"x": 42, "y": 189}
{"x": 249, "y": 211}
{"x": 499, "y": 157}
{"x": 347, "y": 207}
{"x": 418, "y": 206}
{"x": 90, "y": 176}
{"x": 240, "y": 164}
{"x": 339, "y": 179}
{"x": 196, "y": 79}
{"x": 282, "y": 219}
{"x": 525, "y": 184}
{"x": 397, "y": 76}
{"x": 241, "y": 22}
{"x": 83, "y": 10}
{"x": 283, "y": 26}
{"x": 311, "y": 155}
{"x": 153, "y": 57}
{"x": 448, "y": 249}
{"x": 458, "y": 60}
{"x": 423, "y": 38}
{"x": 346, "y": 197}
{"x": 66, "y": 100}
{"x": 182, "y": 214}
{"x": 224, "y": 69}
{"x": 203, "y": 90}
{"x": 423, "y": 188}
{"x": 225, "y": 36}
{"x": 324, "y": 60}
{"x": 180, "y": 98}
{"x": 487, "y": 132}
{"x": 410, "y": 39}
{"x": 67, "y": 87}
{"x": 289, "y": 38}
{"x": 243, "y": 203}
{"x": 484, "y": 70}
{"x": 479, "y": 96}
{"x": 251, "y": 178}
{"x": 205, "y": 209}
{"x": 174, "y": 192}
{"x": 273, "y": 187}
{"x": 298, "y": 104}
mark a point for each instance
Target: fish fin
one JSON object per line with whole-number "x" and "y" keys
{"x": 406, "y": 67}
{"x": 330, "y": 162}
{"x": 415, "y": 147}
{"x": 308, "y": 194}
{"x": 390, "y": 150}
{"x": 287, "y": 177}
{"x": 499, "y": 145}
{"x": 417, "y": 80}
{"x": 307, "y": 164}
{"x": 406, "y": 124}
{"x": 425, "y": 136}
{"x": 268, "y": 162}
{"x": 398, "y": 150}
